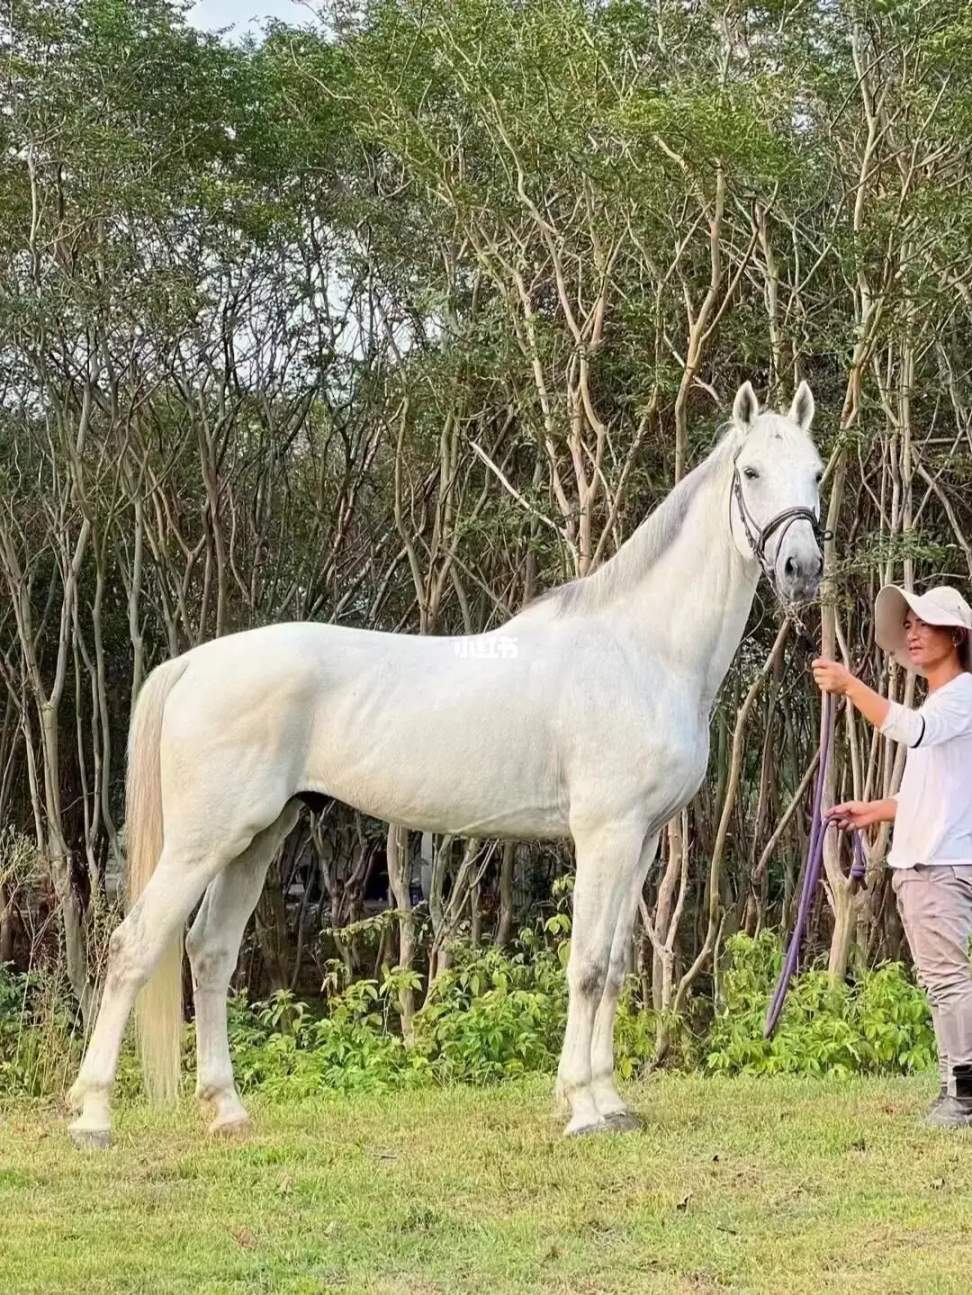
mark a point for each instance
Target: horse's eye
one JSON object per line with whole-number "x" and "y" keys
{"x": 751, "y": 474}
{"x": 818, "y": 476}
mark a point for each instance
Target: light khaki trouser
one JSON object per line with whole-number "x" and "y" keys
{"x": 935, "y": 903}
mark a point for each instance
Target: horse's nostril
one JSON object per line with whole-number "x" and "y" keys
{"x": 819, "y": 566}
{"x": 790, "y": 567}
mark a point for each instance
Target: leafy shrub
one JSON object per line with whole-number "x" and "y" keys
{"x": 37, "y": 1045}
{"x": 879, "y": 1024}
{"x": 13, "y": 994}
{"x": 282, "y": 1048}
{"x": 492, "y": 1014}
{"x": 495, "y": 1014}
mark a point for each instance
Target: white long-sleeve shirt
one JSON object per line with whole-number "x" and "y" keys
{"x": 934, "y": 819}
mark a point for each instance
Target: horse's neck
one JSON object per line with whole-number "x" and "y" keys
{"x": 692, "y": 604}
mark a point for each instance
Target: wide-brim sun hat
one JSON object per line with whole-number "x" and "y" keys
{"x": 943, "y": 606}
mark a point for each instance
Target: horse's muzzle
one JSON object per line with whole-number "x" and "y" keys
{"x": 799, "y": 579}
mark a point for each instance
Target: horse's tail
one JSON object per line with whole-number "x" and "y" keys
{"x": 159, "y": 1010}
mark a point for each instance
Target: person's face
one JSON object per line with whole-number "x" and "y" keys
{"x": 929, "y": 646}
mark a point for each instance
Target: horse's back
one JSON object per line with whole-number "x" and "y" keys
{"x": 442, "y": 733}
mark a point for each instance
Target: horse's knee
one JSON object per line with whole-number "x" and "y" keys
{"x": 614, "y": 981}
{"x": 210, "y": 958}
{"x": 126, "y": 966}
{"x": 587, "y": 976}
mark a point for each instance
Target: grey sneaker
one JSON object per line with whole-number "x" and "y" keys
{"x": 950, "y": 1113}
{"x": 942, "y": 1094}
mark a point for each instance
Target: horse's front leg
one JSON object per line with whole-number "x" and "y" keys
{"x": 607, "y": 859}
{"x": 606, "y": 1096}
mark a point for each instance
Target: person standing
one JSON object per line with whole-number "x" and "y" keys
{"x": 931, "y": 850}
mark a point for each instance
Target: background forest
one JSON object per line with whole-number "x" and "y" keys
{"x": 397, "y": 320}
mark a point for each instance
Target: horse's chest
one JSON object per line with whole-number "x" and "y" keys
{"x": 665, "y": 745}
{"x": 689, "y": 763}
{"x": 678, "y": 754}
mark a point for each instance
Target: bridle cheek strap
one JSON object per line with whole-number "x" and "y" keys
{"x": 759, "y": 537}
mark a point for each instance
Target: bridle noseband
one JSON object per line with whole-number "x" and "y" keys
{"x": 759, "y": 537}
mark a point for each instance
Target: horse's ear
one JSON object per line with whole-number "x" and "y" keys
{"x": 745, "y": 408}
{"x": 801, "y": 411}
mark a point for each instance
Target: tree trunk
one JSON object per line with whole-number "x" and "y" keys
{"x": 6, "y": 926}
{"x": 271, "y": 931}
{"x": 504, "y": 924}
{"x": 398, "y": 879}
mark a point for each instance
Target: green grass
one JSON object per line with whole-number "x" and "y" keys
{"x": 735, "y": 1185}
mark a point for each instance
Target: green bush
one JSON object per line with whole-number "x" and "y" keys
{"x": 280, "y": 1047}
{"x": 878, "y": 1025}
{"x": 492, "y": 1015}
{"x": 495, "y": 1014}
{"x": 37, "y": 1045}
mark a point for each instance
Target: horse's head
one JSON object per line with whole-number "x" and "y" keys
{"x": 775, "y": 492}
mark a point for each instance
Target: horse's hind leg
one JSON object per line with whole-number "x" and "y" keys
{"x": 134, "y": 951}
{"x": 213, "y": 945}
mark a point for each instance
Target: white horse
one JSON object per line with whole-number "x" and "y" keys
{"x": 586, "y": 715}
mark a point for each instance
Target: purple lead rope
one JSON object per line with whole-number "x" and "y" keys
{"x": 811, "y": 873}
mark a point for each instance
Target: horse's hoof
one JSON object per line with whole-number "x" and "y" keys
{"x": 624, "y": 1122}
{"x": 237, "y": 1127}
{"x": 585, "y": 1130}
{"x": 90, "y": 1139}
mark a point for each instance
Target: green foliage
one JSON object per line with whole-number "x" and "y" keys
{"x": 37, "y": 1046}
{"x": 878, "y": 1025}
{"x": 280, "y": 1047}
{"x": 492, "y": 1015}
{"x": 495, "y": 1014}
{"x": 433, "y": 267}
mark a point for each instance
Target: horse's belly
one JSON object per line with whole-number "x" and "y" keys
{"x": 460, "y": 817}
{"x": 454, "y": 770}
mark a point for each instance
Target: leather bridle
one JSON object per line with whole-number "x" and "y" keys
{"x": 758, "y": 536}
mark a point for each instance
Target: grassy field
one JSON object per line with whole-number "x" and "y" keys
{"x": 733, "y": 1186}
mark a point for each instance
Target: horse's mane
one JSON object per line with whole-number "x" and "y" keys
{"x": 642, "y": 549}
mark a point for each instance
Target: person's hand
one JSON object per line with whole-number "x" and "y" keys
{"x": 854, "y": 814}
{"x": 831, "y": 676}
